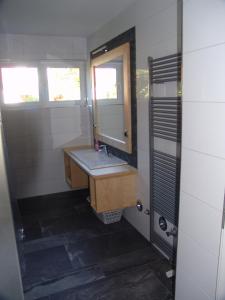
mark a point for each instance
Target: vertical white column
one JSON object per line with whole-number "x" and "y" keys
{"x": 220, "y": 293}
{"x": 203, "y": 149}
{"x": 10, "y": 278}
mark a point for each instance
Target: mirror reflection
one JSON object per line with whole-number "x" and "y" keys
{"x": 109, "y": 95}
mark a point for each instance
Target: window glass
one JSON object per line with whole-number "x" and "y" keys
{"x": 64, "y": 84}
{"x": 106, "y": 83}
{"x": 20, "y": 85}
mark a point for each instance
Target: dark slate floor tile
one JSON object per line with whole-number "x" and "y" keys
{"x": 45, "y": 265}
{"x": 79, "y": 224}
{"x": 129, "y": 260}
{"x": 118, "y": 226}
{"x": 137, "y": 258}
{"x": 82, "y": 208}
{"x": 92, "y": 228}
{"x": 76, "y": 279}
{"x": 77, "y": 220}
{"x": 137, "y": 284}
{"x": 32, "y": 229}
{"x": 106, "y": 246}
{"x": 44, "y": 243}
{"x": 71, "y": 250}
{"x": 47, "y": 202}
{"x": 72, "y": 223}
{"x": 49, "y": 214}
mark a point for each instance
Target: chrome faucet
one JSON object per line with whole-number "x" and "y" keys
{"x": 104, "y": 148}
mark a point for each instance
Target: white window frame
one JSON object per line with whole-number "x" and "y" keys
{"x": 63, "y": 64}
{"x": 43, "y": 84}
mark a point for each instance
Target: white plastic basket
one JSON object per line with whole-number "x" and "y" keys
{"x": 109, "y": 217}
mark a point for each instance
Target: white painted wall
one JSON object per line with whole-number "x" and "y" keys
{"x": 156, "y": 35}
{"x": 36, "y": 137}
{"x": 203, "y": 149}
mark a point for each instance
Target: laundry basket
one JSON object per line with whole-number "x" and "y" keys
{"x": 109, "y": 217}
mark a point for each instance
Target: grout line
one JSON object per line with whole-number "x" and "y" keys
{"x": 205, "y": 102}
{"x": 203, "y": 153}
{"x": 204, "y": 202}
{"x": 185, "y": 53}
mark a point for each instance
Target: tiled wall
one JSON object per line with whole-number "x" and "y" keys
{"x": 203, "y": 149}
{"x": 36, "y": 47}
{"x": 35, "y": 137}
{"x": 156, "y": 35}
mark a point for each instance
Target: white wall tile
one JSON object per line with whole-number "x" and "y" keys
{"x": 142, "y": 84}
{"x": 202, "y": 127}
{"x": 35, "y": 147}
{"x": 140, "y": 11}
{"x": 139, "y": 220}
{"x": 143, "y": 171}
{"x": 59, "y": 126}
{"x": 203, "y": 149}
{"x": 41, "y": 188}
{"x": 143, "y": 125}
{"x": 159, "y": 27}
{"x": 188, "y": 289}
{"x": 201, "y": 222}
{"x": 3, "y": 47}
{"x": 29, "y": 47}
{"x": 198, "y": 264}
{"x": 203, "y": 176}
{"x": 203, "y": 75}
{"x": 65, "y": 112}
{"x": 203, "y": 23}
{"x": 163, "y": 48}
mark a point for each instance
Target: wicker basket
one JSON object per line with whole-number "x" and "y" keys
{"x": 109, "y": 217}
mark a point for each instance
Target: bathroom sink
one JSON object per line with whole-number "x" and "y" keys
{"x": 96, "y": 160}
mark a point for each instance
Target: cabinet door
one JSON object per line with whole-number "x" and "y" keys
{"x": 79, "y": 179}
{"x": 115, "y": 192}
{"x": 93, "y": 192}
{"x": 67, "y": 168}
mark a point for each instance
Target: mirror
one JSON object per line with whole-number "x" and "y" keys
{"x": 112, "y": 98}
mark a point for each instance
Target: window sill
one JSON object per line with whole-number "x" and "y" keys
{"x": 42, "y": 104}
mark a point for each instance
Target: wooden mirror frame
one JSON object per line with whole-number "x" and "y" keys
{"x": 124, "y": 51}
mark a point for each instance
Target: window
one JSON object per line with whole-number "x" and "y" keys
{"x": 64, "y": 84}
{"x": 20, "y": 85}
{"x": 106, "y": 83}
{"x": 48, "y": 83}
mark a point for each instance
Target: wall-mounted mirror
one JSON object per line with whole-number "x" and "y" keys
{"x": 112, "y": 97}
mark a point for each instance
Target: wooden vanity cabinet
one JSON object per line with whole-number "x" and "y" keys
{"x": 75, "y": 176}
{"x": 113, "y": 192}
{"x": 110, "y": 188}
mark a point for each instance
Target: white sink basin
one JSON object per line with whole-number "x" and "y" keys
{"x": 96, "y": 160}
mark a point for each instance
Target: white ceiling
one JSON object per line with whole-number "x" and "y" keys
{"x": 58, "y": 17}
